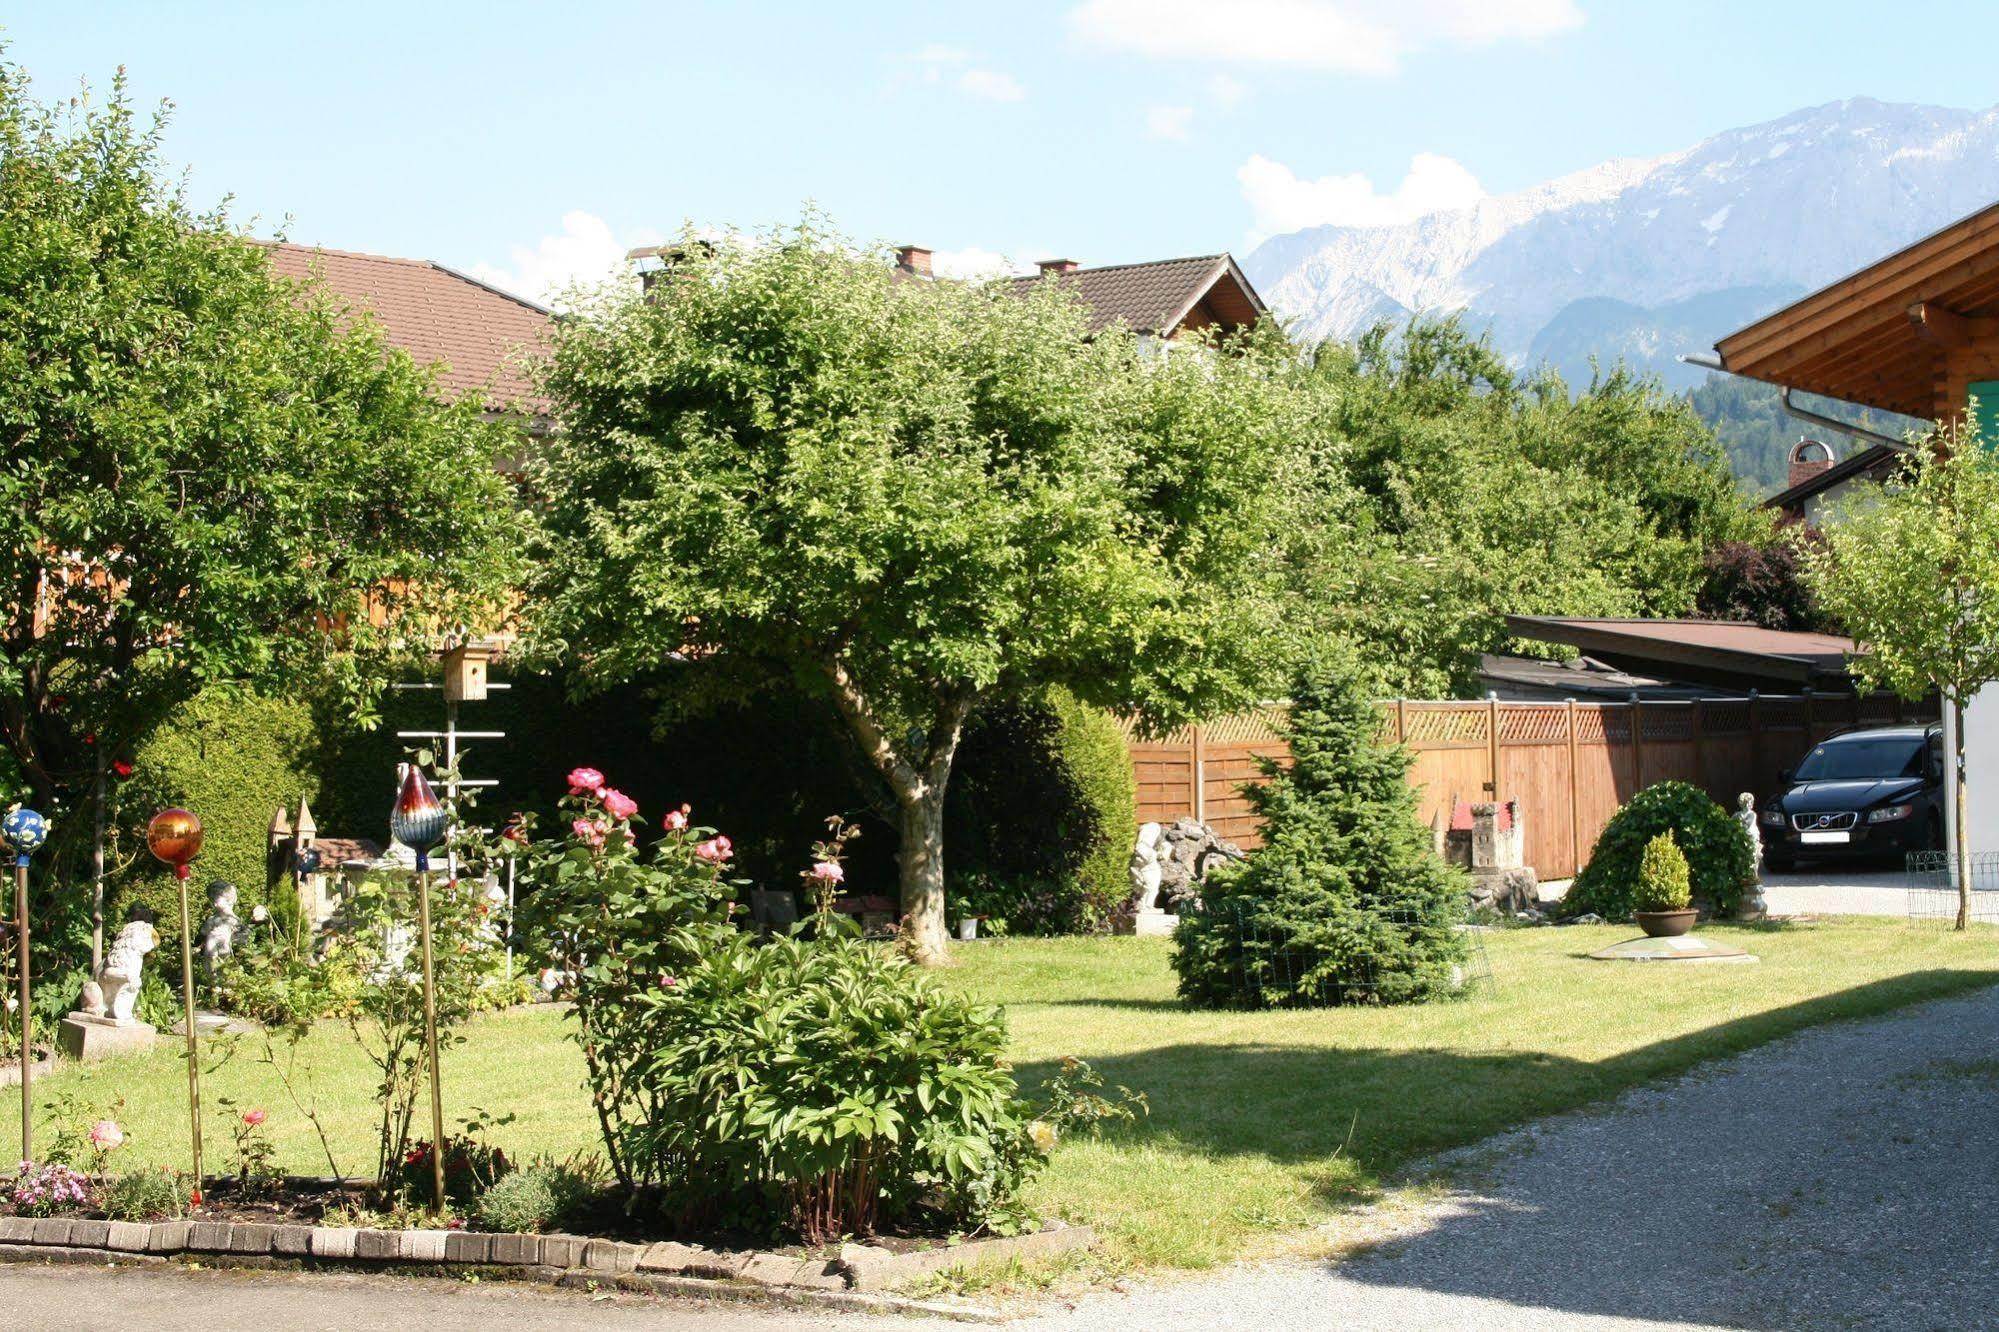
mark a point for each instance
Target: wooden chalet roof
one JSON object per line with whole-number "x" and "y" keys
{"x": 483, "y": 337}
{"x": 1874, "y": 337}
{"x": 1162, "y": 295}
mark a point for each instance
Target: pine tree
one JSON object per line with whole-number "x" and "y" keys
{"x": 1346, "y": 902}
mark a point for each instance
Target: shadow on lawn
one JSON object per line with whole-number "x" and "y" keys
{"x": 1379, "y": 1108}
{"x": 1365, "y": 1112}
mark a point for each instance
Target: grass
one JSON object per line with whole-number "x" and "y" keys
{"x": 1262, "y": 1123}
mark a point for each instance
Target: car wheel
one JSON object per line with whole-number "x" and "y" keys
{"x": 1933, "y": 833}
{"x": 1776, "y": 864}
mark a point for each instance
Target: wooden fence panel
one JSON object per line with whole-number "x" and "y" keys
{"x": 1570, "y": 765}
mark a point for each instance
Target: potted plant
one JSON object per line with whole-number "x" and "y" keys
{"x": 1664, "y": 896}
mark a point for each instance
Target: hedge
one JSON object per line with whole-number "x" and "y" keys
{"x": 1719, "y": 857}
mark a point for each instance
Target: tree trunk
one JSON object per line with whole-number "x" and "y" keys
{"x": 921, "y": 860}
{"x": 1963, "y": 820}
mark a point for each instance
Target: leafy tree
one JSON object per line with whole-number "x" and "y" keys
{"x": 1459, "y": 493}
{"x": 913, "y": 498}
{"x": 1346, "y": 902}
{"x": 1756, "y": 433}
{"x": 1912, "y": 571}
{"x": 1762, "y": 583}
{"x": 202, "y": 467}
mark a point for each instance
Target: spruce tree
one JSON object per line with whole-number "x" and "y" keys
{"x": 1346, "y": 902}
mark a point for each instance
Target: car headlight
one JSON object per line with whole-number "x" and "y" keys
{"x": 1890, "y": 813}
{"x": 1772, "y": 818}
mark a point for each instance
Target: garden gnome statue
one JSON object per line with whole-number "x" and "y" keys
{"x": 1752, "y": 905}
{"x": 221, "y": 926}
{"x": 1145, "y": 871}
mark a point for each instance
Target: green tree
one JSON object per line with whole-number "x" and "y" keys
{"x": 911, "y": 498}
{"x": 203, "y": 467}
{"x": 1346, "y": 902}
{"x": 1912, "y": 571}
{"x": 1459, "y": 493}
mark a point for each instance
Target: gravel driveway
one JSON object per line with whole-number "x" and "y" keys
{"x": 1845, "y": 1177}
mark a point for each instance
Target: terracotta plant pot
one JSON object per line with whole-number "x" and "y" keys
{"x": 1666, "y": 924}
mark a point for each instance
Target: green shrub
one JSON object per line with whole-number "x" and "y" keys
{"x": 1662, "y": 876}
{"x": 233, "y": 758}
{"x": 1040, "y": 815}
{"x": 814, "y": 1082}
{"x": 1717, "y": 850}
{"x": 537, "y": 1197}
{"x": 152, "y": 1194}
{"x": 1346, "y": 902}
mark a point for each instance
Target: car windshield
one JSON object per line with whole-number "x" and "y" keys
{"x": 1858, "y": 758}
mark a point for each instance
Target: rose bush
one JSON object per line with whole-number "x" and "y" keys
{"x": 814, "y": 1083}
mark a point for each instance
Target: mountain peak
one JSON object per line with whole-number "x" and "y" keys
{"x": 1722, "y": 230}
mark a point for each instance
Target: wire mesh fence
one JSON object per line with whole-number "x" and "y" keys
{"x": 1273, "y": 970}
{"x": 1933, "y": 888}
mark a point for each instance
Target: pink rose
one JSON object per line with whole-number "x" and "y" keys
{"x": 619, "y": 805}
{"x": 668, "y": 982}
{"x": 583, "y": 781}
{"x": 828, "y": 871}
{"x": 105, "y": 1134}
{"x": 253, "y": 1117}
{"x": 587, "y": 831}
{"x": 715, "y": 850}
{"x": 676, "y": 820}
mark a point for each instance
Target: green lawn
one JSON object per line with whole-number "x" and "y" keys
{"x": 1262, "y": 1123}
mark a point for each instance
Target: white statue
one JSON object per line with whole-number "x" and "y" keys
{"x": 124, "y": 968}
{"x": 1145, "y": 868}
{"x": 1752, "y": 906}
{"x": 220, "y": 927}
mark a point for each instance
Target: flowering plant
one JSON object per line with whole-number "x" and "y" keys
{"x": 256, "y": 1175}
{"x": 50, "y": 1189}
{"x": 828, "y": 871}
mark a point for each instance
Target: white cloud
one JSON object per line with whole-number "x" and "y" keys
{"x": 975, "y": 263}
{"x": 1170, "y": 122}
{"x": 1279, "y": 201}
{"x": 1227, "y": 91}
{"x": 1350, "y": 36}
{"x": 991, "y": 85}
{"x": 585, "y": 251}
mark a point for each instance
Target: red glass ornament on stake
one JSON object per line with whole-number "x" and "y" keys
{"x": 174, "y": 837}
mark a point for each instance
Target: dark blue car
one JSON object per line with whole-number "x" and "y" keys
{"x": 1863, "y": 793}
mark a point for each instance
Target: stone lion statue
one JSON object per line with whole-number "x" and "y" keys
{"x": 117, "y": 985}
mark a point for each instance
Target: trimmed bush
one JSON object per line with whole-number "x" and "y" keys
{"x": 1346, "y": 902}
{"x": 1040, "y": 817}
{"x": 1717, "y": 851}
{"x": 233, "y": 758}
{"x": 539, "y": 1196}
{"x": 1662, "y": 876}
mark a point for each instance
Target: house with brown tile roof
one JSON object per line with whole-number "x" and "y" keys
{"x": 1159, "y": 298}
{"x": 485, "y": 339}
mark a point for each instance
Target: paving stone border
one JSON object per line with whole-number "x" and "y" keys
{"x": 666, "y": 1266}
{"x": 43, "y": 1065}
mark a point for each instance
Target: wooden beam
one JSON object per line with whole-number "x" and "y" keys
{"x": 1940, "y": 323}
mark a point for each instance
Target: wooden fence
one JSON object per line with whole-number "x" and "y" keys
{"x": 1570, "y": 765}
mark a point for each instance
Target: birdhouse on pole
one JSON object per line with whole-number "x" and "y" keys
{"x": 465, "y": 672}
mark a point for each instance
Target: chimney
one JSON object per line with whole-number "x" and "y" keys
{"x": 1809, "y": 457}
{"x": 913, "y": 259}
{"x": 1051, "y": 266}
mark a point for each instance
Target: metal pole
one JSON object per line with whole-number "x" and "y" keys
{"x": 192, "y": 1026}
{"x": 451, "y": 780}
{"x": 430, "y": 1042}
{"x": 510, "y": 918}
{"x": 27, "y": 1045}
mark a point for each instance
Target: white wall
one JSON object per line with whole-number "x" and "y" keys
{"x": 1981, "y": 761}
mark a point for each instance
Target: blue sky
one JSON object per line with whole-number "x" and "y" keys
{"x": 531, "y": 142}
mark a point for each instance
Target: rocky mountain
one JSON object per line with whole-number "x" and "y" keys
{"x": 1645, "y": 259}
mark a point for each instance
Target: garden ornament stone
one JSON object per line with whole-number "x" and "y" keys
{"x": 221, "y": 927}
{"x": 1752, "y": 906}
{"x": 106, "y": 1024}
{"x": 1145, "y": 870}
